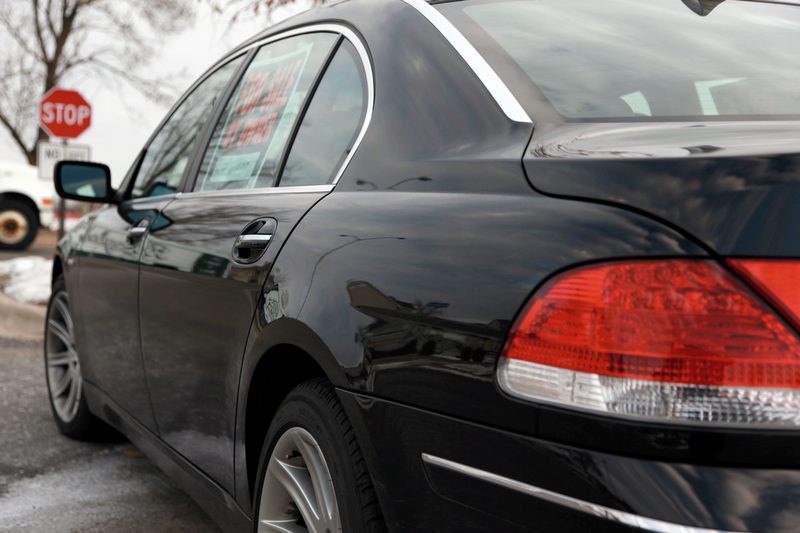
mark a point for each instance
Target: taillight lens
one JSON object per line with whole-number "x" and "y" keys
{"x": 777, "y": 279}
{"x": 669, "y": 340}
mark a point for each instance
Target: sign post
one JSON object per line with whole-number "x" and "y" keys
{"x": 65, "y": 114}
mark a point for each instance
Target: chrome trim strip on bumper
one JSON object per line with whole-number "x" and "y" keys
{"x": 496, "y": 87}
{"x": 600, "y": 511}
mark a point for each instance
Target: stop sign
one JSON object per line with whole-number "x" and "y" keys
{"x": 64, "y": 113}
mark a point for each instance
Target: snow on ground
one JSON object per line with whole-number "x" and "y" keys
{"x": 26, "y": 279}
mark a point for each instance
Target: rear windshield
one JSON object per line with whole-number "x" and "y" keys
{"x": 623, "y": 59}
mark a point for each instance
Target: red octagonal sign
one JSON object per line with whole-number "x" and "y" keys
{"x": 64, "y": 113}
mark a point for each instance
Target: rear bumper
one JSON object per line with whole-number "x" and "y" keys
{"x": 435, "y": 473}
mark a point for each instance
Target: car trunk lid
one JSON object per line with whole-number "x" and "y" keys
{"x": 734, "y": 186}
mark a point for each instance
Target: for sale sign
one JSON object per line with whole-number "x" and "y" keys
{"x": 64, "y": 113}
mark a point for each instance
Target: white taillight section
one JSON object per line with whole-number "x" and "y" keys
{"x": 677, "y": 402}
{"x": 670, "y": 341}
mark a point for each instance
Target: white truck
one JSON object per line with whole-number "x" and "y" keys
{"x": 26, "y": 204}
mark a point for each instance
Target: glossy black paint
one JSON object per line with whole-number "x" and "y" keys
{"x": 105, "y": 298}
{"x": 432, "y": 499}
{"x": 401, "y": 285}
{"x": 197, "y": 304}
{"x": 734, "y": 186}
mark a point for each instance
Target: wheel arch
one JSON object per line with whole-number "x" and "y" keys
{"x": 285, "y": 354}
{"x": 58, "y": 269}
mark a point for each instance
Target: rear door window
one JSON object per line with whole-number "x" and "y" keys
{"x": 249, "y": 141}
{"x": 330, "y": 125}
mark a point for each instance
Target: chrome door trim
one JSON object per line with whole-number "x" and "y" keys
{"x": 355, "y": 40}
{"x": 614, "y": 515}
{"x": 496, "y": 87}
{"x": 360, "y": 47}
{"x": 257, "y": 192}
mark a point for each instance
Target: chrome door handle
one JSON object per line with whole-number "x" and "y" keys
{"x": 137, "y": 232}
{"x": 253, "y": 242}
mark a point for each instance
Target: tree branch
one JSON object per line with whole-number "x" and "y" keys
{"x": 16, "y": 136}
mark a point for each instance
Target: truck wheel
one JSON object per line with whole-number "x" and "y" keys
{"x": 19, "y": 225}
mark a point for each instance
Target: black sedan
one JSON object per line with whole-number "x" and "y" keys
{"x": 513, "y": 265}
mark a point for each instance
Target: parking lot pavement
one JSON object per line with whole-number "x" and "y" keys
{"x": 43, "y": 246}
{"x": 49, "y": 483}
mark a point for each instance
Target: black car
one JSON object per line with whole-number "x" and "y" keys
{"x": 513, "y": 265}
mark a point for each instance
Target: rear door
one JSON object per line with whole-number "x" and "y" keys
{"x": 273, "y": 154}
{"x": 107, "y": 300}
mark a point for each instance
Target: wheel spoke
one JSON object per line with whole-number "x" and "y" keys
{"x": 60, "y": 358}
{"x": 320, "y": 478}
{"x": 280, "y": 526}
{"x": 64, "y": 312}
{"x": 69, "y": 403}
{"x": 59, "y": 331}
{"x": 297, "y": 482}
{"x": 59, "y": 388}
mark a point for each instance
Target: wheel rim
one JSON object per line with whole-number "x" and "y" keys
{"x": 298, "y": 493}
{"x": 63, "y": 366}
{"x": 13, "y": 227}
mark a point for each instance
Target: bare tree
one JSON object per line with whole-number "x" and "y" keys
{"x": 50, "y": 42}
{"x": 236, "y": 9}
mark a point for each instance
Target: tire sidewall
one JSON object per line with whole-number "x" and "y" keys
{"x": 302, "y": 409}
{"x": 33, "y": 223}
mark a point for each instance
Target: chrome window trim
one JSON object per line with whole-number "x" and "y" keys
{"x": 614, "y": 515}
{"x": 351, "y": 36}
{"x": 496, "y": 87}
{"x": 257, "y": 192}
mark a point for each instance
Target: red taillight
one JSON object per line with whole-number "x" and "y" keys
{"x": 675, "y": 339}
{"x": 777, "y": 279}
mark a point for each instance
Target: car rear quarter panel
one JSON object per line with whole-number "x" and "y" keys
{"x": 413, "y": 293}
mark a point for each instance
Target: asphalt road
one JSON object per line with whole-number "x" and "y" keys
{"x": 49, "y": 483}
{"x": 43, "y": 246}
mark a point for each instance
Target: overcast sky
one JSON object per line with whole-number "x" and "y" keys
{"x": 122, "y": 120}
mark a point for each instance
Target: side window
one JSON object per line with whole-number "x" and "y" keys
{"x": 247, "y": 145}
{"x": 331, "y": 123}
{"x": 168, "y": 154}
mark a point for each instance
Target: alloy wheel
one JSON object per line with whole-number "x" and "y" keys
{"x": 298, "y": 494}
{"x": 63, "y": 366}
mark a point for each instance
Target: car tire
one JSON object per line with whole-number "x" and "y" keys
{"x": 63, "y": 371}
{"x": 309, "y": 441}
{"x": 19, "y": 224}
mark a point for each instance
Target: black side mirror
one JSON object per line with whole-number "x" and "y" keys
{"x": 85, "y": 182}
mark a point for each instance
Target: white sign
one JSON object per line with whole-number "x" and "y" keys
{"x": 52, "y": 153}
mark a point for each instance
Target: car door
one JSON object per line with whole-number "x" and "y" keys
{"x": 202, "y": 276}
{"x": 108, "y": 297}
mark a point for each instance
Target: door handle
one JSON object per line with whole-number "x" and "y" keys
{"x": 254, "y": 240}
{"x": 137, "y": 232}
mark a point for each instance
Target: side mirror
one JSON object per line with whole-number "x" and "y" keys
{"x": 85, "y": 182}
